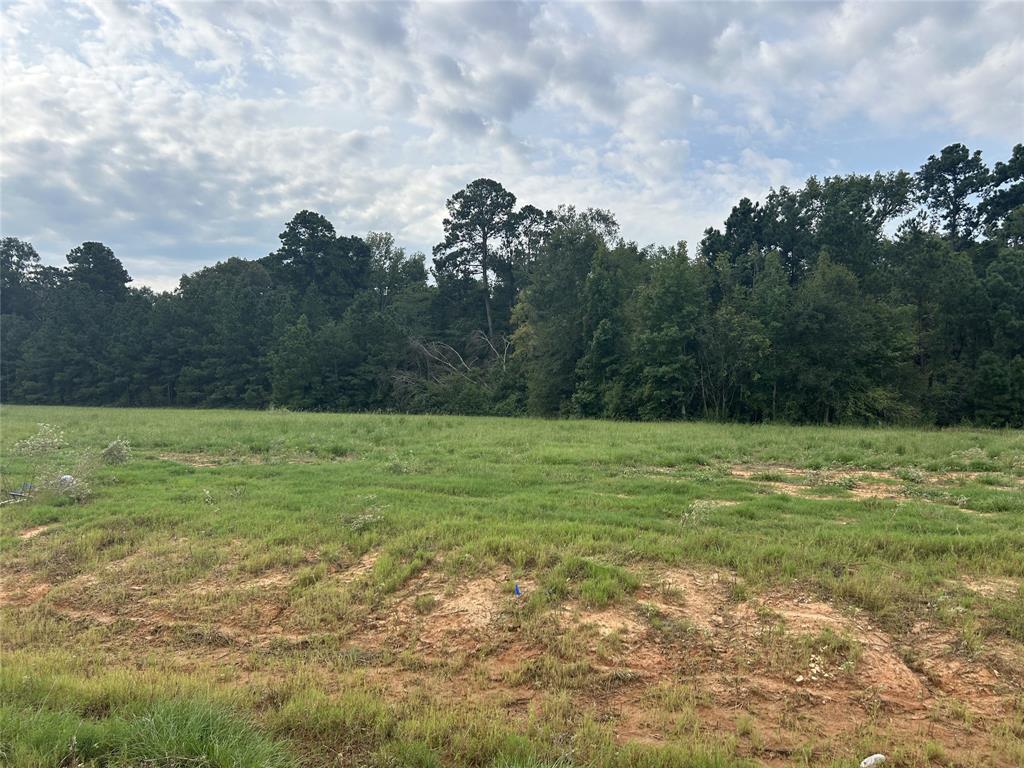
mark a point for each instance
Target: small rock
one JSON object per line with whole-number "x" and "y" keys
{"x": 800, "y": 679}
{"x": 872, "y": 761}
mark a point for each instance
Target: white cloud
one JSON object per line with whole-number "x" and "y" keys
{"x": 182, "y": 132}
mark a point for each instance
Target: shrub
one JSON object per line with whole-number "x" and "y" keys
{"x": 118, "y": 452}
{"x": 47, "y": 440}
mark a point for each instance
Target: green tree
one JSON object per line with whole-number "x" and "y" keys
{"x": 223, "y": 327}
{"x": 850, "y": 213}
{"x": 392, "y": 273}
{"x": 844, "y": 349}
{"x": 549, "y": 336}
{"x": 480, "y": 218}
{"x": 666, "y": 315}
{"x": 1006, "y": 193}
{"x": 601, "y": 371}
{"x": 295, "y": 367}
{"x": 949, "y": 184}
{"x": 326, "y": 271}
{"x": 19, "y": 268}
{"x": 770, "y": 303}
{"x": 732, "y": 347}
{"x": 95, "y": 266}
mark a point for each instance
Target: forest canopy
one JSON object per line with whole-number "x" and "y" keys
{"x": 892, "y": 297}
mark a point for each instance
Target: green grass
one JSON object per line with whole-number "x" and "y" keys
{"x": 580, "y": 513}
{"x": 50, "y": 717}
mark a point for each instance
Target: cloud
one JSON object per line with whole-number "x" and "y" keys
{"x": 181, "y": 133}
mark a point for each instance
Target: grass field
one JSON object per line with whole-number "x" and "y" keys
{"x": 282, "y": 589}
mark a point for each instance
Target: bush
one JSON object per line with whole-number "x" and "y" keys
{"x": 55, "y": 471}
{"x": 47, "y": 440}
{"x": 118, "y": 452}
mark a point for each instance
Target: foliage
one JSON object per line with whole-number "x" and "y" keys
{"x": 891, "y": 297}
{"x": 54, "y": 471}
{"x": 47, "y": 440}
{"x": 117, "y": 452}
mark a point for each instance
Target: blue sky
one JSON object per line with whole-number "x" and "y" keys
{"x": 181, "y": 133}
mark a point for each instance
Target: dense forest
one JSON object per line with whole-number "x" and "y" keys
{"x": 892, "y": 297}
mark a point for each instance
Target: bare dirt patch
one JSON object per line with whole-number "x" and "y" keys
{"x": 280, "y": 579}
{"x": 439, "y": 616}
{"x": 471, "y": 607}
{"x": 769, "y": 657}
{"x": 362, "y": 567}
{"x": 219, "y": 610}
{"x": 860, "y": 483}
{"x": 880, "y": 668}
{"x": 203, "y": 460}
{"x": 466, "y": 639}
{"x": 743, "y": 630}
{"x": 993, "y": 586}
{"x": 980, "y": 682}
{"x": 605, "y": 622}
{"x": 31, "y": 533}
{"x": 701, "y": 593}
{"x": 22, "y": 595}
{"x": 865, "y": 490}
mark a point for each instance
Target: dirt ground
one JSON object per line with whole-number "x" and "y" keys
{"x": 798, "y": 672}
{"x": 859, "y": 483}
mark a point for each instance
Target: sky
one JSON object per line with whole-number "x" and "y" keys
{"x": 183, "y": 133}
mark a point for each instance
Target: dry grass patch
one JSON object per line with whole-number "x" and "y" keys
{"x": 31, "y": 533}
{"x": 993, "y": 586}
{"x": 205, "y": 460}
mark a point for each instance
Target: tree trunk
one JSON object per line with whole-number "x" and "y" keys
{"x": 487, "y": 289}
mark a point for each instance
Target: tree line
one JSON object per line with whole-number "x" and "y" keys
{"x": 892, "y": 297}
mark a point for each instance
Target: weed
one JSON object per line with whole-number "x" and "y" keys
{"x": 47, "y": 440}
{"x": 934, "y": 752}
{"x": 424, "y": 603}
{"x": 117, "y": 452}
{"x": 911, "y": 475}
{"x": 744, "y": 725}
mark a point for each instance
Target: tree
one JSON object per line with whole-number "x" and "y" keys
{"x": 19, "y": 266}
{"x": 803, "y": 307}
{"x": 392, "y": 273}
{"x": 95, "y": 266}
{"x": 479, "y": 218}
{"x": 769, "y": 302}
{"x": 850, "y": 213}
{"x": 843, "y": 350}
{"x": 614, "y": 275}
{"x": 788, "y": 223}
{"x": 307, "y": 242}
{"x": 948, "y": 184}
{"x": 948, "y": 319}
{"x": 358, "y": 357}
{"x": 549, "y": 336}
{"x": 324, "y": 270}
{"x": 518, "y": 252}
{"x": 743, "y": 235}
{"x": 666, "y": 314}
{"x": 295, "y": 367}
{"x": 732, "y": 346}
{"x": 224, "y": 318}
{"x": 1006, "y": 193}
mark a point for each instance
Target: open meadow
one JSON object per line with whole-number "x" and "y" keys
{"x": 249, "y": 589}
